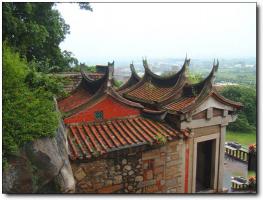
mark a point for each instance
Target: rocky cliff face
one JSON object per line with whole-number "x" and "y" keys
{"x": 41, "y": 166}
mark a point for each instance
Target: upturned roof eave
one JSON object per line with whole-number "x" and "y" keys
{"x": 134, "y": 78}
{"x": 105, "y": 89}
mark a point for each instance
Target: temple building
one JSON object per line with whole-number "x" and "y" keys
{"x": 154, "y": 134}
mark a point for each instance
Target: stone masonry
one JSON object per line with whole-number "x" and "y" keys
{"x": 158, "y": 170}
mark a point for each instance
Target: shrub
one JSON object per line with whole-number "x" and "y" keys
{"x": 28, "y": 110}
{"x": 161, "y": 139}
{"x": 246, "y": 121}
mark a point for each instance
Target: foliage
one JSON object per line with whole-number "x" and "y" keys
{"x": 49, "y": 83}
{"x": 28, "y": 112}
{"x": 117, "y": 83}
{"x": 85, "y": 6}
{"x": 195, "y": 77}
{"x": 252, "y": 182}
{"x": 252, "y": 148}
{"x": 161, "y": 139}
{"x": 167, "y": 74}
{"x": 241, "y": 124}
{"x": 240, "y": 137}
{"x": 230, "y": 70}
{"x": 246, "y": 121}
{"x": 84, "y": 67}
{"x": 35, "y": 30}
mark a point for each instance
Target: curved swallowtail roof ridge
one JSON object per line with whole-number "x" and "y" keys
{"x": 92, "y": 84}
{"x": 195, "y": 94}
{"x": 169, "y": 80}
{"x": 133, "y": 72}
{"x": 134, "y": 78}
{"x": 205, "y": 89}
{"x": 206, "y": 84}
{"x": 106, "y": 88}
{"x": 153, "y": 89}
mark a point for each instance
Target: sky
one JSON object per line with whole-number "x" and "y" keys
{"x": 130, "y": 31}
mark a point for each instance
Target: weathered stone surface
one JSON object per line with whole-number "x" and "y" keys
{"x": 159, "y": 176}
{"x": 172, "y": 190}
{"x": 117, "y": 179}
{"x": 161, "y": 171}
{"x": 139, "y": 178}
{"x": 175, "y": 156}
{"x": 117, "y": 167}
{"x": 159, "y": 162}
{"x": 97, "y": 185}
{"x": 158, "y": 170}
{"x": 111, "y": 189}
{"x": 151, "y": 189}
{"x": 84, "y": 187}
{"x": 79, "y": 174}
{"x": 127, "y": 168}
{"x": 130, "y": 187}
{"x": 124, "y": 162}
{"x": 139, "y": 191}
{"x": 17, "y": 178}
{"x": 151, "y": 154}
{"x": 174, "y": 169}
{"x": 131, "y": 180}
{"x": 131, "y": 172}
{"x": 148, "y": 174}
{"x": 41, "y": 162}
{"x": 145, "y": 165}
{"x": 179, "y": 179}
{"x": 171, "y": 163}
{"x": 171, "y": 183}
{"x": 108, "y": 182}
{"x": 146, "y": 183}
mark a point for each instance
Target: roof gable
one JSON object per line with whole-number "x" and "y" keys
{"x": 108, "y": 105}
{"x": 153, "y": 88}
{"x": 106, "y": 99}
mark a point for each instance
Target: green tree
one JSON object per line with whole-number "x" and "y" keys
{"x": 247, "y": 96}
{"x": 195, "y": 77}
{"x": 35, "y": 30}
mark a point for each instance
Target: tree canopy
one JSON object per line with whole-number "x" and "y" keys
{"x": 32, "y": 33}
{"x": 35, "y": 30}
{"x": 247, "y": 118}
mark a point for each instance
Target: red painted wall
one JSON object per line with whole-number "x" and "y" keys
{"x": 110, "y": 107}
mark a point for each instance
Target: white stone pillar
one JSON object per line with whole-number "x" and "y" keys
{"x": 221, "y": 158}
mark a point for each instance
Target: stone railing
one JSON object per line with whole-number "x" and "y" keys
{"x": 239, "y": 183}
{"x": 240, "y": 154}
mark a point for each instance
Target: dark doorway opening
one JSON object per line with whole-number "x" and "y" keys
{"x": 204, "y": 165}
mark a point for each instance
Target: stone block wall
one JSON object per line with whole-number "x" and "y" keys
{"x": 159, "y": 170}
{"x": 163, "y": 169}
{"x": 109, "y": 175}
{"x": 174, "y": 167}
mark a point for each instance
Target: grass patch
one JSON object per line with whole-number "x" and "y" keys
{"x": 243, "y": 138}
{"x": 251, "y": 173}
